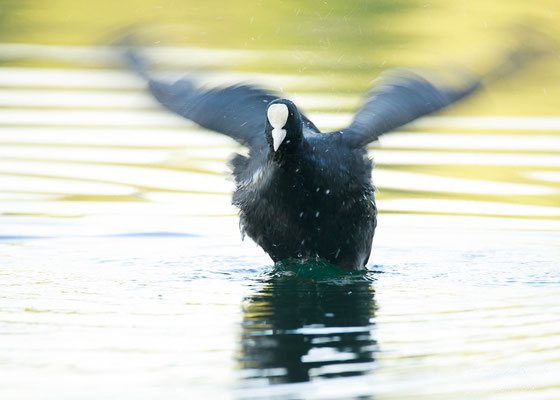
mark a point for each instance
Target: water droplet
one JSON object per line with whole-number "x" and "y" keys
{"x": 317, "y": 214}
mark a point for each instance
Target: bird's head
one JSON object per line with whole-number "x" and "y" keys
{"x": 284, "y": 127}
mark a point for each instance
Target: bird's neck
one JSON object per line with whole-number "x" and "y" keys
{"x": 289, "y": 152}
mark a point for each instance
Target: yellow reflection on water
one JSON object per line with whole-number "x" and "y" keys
{"x": 86, "y": 123}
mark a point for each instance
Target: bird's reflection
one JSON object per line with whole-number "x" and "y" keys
{"x": 295, "y": 330}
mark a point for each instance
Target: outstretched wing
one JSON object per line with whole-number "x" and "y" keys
{"x": 238, "y": 111}
{"x": 400, "y": 97}
{"x": 403, "y": 95}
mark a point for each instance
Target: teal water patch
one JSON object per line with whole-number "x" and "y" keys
{"x": 317, "y": 270}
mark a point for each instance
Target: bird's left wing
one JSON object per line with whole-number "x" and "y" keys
{"x": 404, "y": 95}
{"x": 400, "y": 97}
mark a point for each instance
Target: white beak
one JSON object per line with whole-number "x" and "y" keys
{"x": 278, "y": 136}
{"x": 277, "y": 116}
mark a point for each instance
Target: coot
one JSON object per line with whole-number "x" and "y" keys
{"x": 301, "y": 193}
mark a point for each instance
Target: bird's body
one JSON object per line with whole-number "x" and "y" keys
{"x": 317, "y": 204}
{"x": 303, "y": 194}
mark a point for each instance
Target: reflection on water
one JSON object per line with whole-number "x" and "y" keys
{"x": 297, "y": 330}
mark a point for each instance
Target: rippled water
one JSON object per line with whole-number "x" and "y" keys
{"x": 122, "y": 271}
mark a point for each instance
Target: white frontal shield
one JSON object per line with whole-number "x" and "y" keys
{"x": 277, "y": 117}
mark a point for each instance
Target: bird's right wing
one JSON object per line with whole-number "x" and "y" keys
{"x": 238, "y": 111}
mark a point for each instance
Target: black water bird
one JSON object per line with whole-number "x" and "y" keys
{"x": 301, "y": 193}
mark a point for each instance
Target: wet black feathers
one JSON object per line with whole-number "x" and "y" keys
{"x": 313, "y": 196}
